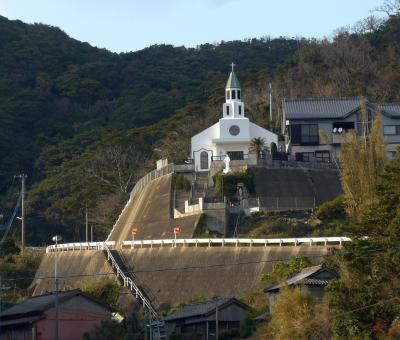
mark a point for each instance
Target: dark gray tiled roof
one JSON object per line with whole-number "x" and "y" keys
{"x": 319, "y": 107}
{"x": 38, "y": 304}
{"x": 201, "y": 308}
{"x": 390, "y": 109}
{"x": 341, "y": 107}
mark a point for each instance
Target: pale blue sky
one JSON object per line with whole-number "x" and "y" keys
{"x": 128, "y": 25}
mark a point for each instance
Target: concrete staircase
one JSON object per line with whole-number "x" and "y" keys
{"x": 157, "y": 326}
{"x": 180, "y": 197}
{"x": 200, "y": 186}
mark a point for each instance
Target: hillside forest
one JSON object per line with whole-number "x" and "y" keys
{"x": 72, "y": 114}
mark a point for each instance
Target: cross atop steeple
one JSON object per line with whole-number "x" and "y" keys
{"x": 233, "y": 66}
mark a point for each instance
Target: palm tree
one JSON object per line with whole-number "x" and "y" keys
{"x": 257, "y": 145}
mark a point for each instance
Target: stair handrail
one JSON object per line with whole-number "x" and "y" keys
{"x": 128, "y": 282}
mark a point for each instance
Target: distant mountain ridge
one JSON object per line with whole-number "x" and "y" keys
{"x": 65, "y": 104}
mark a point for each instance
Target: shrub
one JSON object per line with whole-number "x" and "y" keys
{"x": 8, "y": 247}
{"x": 182, "y": 183}
{"x": 330, "y": 210}
{"x": 283, "y": 270}
{"x": 106, "y": 331}
{"x": 106, "y": 291}
{"x": 226, "y": 184}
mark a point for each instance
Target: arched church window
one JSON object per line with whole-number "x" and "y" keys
{"x": 227, "y": 110}
{"x": 204, "y": 160}
{"x": 238, "y": 94}
{"x": 233, "y": 94}
{"x": 228, "y": 95}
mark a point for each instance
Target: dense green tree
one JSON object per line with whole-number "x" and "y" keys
{"x": 365, "y": 299}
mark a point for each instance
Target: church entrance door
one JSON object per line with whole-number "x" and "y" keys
{"x": 204, "y": 160}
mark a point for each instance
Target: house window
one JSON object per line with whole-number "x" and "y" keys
{"x": 304, "y": 156}
{"x": 322, "y": 156}
{"x": 309, "y": 134}
{"x": 391, "y": 129}
{"x": 295, "y": 134}
{"x": 233, "y": 94}
{"x": 238, "y": 94}
{"x": 240, "y": 109}
{"x": 304, "y": 134}
{"x": 227, "y": 110}
{"x": 228, "y": 95}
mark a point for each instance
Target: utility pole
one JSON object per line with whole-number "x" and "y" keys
{"x": 23, "y": 178}
{"x": 56, "y": 239}
{"x": 216, "y": 320}
{"x": 270, "y": 102}
{"x": 87, "y": 225}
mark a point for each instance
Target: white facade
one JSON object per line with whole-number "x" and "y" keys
{"x": 232, "y": 135}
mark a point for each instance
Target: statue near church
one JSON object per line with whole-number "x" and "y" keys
{"x": 227, "y": 160}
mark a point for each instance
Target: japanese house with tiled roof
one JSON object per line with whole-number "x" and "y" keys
{"x": 307, "y": 119}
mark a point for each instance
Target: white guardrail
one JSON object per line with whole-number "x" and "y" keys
{"x": 201, "y": 242}
{"x": 131, "y": 285}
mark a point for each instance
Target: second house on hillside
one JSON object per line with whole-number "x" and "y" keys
{"x": 307, "y": 120}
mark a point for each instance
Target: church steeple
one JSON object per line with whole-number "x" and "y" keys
{"x": 233, "y": 81}
{"x": 233, "y": 107}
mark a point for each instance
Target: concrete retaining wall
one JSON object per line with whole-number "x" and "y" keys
{"x": 275, "y": 183}
{"x": 160, "y": 270}
{"x": 70, "y": 264}
{"x": 171, "y": 286}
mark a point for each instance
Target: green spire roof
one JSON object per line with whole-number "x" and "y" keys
{"x": 233, "y": 82}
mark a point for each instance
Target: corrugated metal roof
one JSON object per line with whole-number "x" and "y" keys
{"x": 315, "y": 282}
{"x": 301, "y": 277}
{"x": 319, "y": 107}
{"x": 200, "y": 308}
{"x": 233, "y": 82}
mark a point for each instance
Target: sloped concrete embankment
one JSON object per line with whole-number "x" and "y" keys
{"x": 324, "y": 184}
{"x": 151, "y": 212}
{"x": 175, "y": 275}
{"x": 75, "y": 268}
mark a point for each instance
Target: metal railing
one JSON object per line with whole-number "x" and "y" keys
{"x": 236, "y": 242}
{"x": 80, "y": 246}
{"x": 151, "y": 176}
{"x": 280, "y": 203}
{"x": 128, "y": 282}
{"x": 155, "y": 320}
{"x": 210, "y": 242}
{"x": 296, "y": 164}
{"x": 222, "y": 157}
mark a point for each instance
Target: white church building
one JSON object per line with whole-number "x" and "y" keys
{"x": 232, "y": 135}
